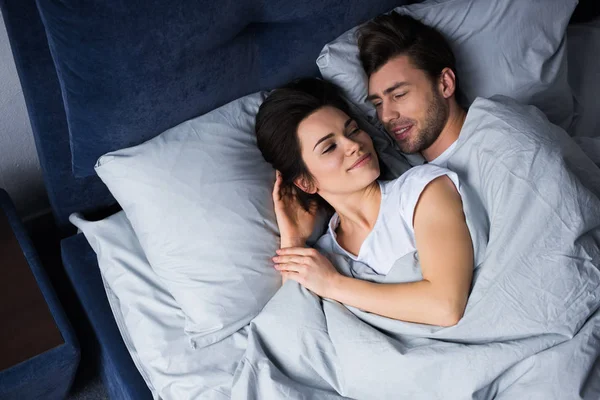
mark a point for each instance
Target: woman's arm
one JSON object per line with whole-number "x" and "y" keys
{"x": 445, "y": 252}
{"x": 446, "y": 255}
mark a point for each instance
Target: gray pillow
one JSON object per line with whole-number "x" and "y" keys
{"x": 513, "y": 48}
{"x": 199, "y": 199}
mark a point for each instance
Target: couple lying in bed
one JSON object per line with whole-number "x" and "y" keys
{"x": 476, "y": 281}
{"x": 324, "y": 159}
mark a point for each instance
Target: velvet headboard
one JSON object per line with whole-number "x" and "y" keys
{"x": 100, "y": 75}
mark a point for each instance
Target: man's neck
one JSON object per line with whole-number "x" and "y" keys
{"x": 448, "y": 135}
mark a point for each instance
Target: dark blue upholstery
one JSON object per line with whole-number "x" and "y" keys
{"x": 41, "y": 90}
{"x": 120, "y": 375}
{"x": 129, "y": 70}
{"x": 50, "y": 374}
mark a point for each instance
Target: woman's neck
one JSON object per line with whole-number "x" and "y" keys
{"x": 359, "y": 210}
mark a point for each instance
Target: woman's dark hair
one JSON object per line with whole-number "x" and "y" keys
{"x": 391, "y": 35}
{"x": 277, "y": 124}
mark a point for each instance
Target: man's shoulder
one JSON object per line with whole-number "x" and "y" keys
{"x": 506, "y": 111}
{"x": 500, "y": 122}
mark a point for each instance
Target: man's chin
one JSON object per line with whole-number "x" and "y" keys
{"x": 404, "y": 145}
{"x": 408, "y": 149}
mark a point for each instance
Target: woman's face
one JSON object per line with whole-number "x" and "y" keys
{"x": 338, "y": 154}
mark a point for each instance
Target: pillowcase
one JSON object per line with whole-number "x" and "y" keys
{"x": 150, "y": 321}
{"x": 513, "y": 48}
{"x": 199, "y": 199}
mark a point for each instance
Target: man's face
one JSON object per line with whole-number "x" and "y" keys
{"x": 409, "y": 104}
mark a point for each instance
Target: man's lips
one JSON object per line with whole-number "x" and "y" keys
{"x": 361, "y": 161}
{"x": 401, "y": 132}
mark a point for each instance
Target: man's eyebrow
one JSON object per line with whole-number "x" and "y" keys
{"x": 348, "y": 122}
{"x": 388, "y": 90}
{"x": 371, "y": 98}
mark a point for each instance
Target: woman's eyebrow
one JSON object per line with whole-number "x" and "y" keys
{"x": 323, "y": 139}
{"x": 329, "y": 135}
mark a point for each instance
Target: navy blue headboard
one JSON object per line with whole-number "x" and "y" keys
{"x": 98, "y": 75}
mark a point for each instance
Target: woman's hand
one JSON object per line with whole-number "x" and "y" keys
{"x": 308, "y": 267}
{"x": 295, "y": 223}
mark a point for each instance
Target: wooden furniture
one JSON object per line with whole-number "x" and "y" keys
{"x": 39, "y": 352}
{"x": 29, "y": 328}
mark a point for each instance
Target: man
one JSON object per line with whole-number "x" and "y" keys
{"x": 523, "y": 179}
{"x": 412, "y": 85}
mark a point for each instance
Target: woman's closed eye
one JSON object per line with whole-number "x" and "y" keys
{"x": 330, "y": 148}
{"x": 354, "y": 130}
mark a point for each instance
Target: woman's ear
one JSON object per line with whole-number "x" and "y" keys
{"x": 305, "y": 184}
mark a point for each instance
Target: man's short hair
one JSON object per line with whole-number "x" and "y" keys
{"x": 391, "y": 35}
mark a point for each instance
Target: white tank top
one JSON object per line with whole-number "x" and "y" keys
{"x": 393, "y": 235}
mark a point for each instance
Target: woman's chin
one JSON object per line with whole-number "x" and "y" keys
{"x": 367, "y": 177}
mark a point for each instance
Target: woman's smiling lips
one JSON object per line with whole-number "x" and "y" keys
{"x": 401, "y": 132}
{"x": 361, "y": 161}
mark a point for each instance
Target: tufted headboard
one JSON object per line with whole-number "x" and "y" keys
{"x": 99, "y": 75}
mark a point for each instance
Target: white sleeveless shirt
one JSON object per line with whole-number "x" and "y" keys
{"x": 393, "y": 235}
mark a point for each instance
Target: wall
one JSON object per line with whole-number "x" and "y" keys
{"x": 20, "y": 173}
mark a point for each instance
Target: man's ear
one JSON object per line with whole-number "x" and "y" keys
{"x": 305, "y": 184}
{"x": 447, "y": 82}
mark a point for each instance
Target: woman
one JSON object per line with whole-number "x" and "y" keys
{"x": 323, "y": 158}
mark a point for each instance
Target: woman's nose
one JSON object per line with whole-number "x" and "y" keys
{"x": 352, "y": 146}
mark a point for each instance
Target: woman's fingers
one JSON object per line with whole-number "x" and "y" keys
{"x": 297, "y": 251}
{"x": 290, "y": 259}
{"x": 289, "y": 267}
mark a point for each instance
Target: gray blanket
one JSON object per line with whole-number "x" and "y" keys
{"x": 531, "y": 327}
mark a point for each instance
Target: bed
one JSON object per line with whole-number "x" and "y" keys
{"x": 167, "y": 64}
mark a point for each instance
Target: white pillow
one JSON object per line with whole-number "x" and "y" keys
{"x": 508, "y": 47}
{"x": 150, "y": 321}
{"x": 199, "y": 199}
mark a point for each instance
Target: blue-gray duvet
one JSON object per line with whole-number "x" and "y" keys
{"x": 531, "y": 329}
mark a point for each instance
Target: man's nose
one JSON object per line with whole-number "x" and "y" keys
{"x": 387, "y": 113}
